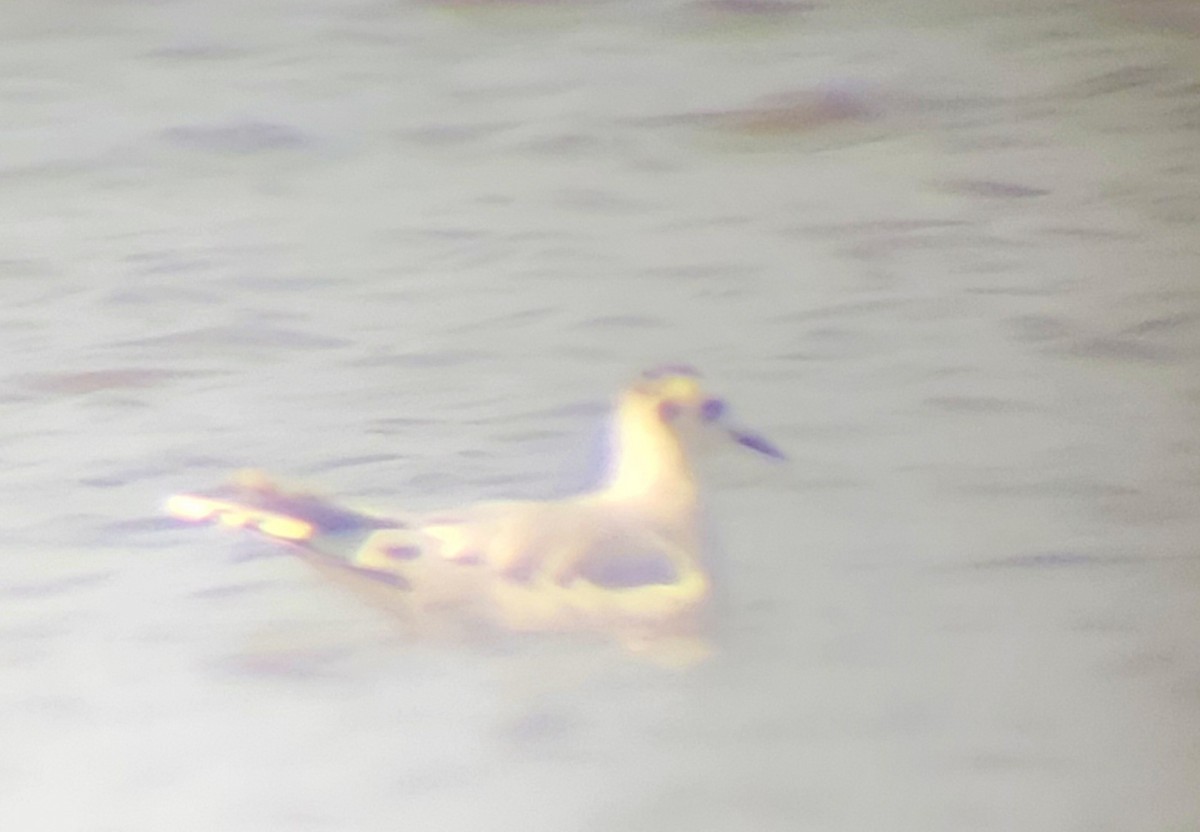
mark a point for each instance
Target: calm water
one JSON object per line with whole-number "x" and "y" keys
{"x": 404, "y": 250}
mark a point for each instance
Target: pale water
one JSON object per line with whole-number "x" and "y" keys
{"x": 403, "y": 251}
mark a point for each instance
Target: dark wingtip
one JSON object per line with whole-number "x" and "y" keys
{"x": 757, "y": 443}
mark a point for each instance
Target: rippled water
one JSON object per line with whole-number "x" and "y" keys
{"x": 404, "y": 250}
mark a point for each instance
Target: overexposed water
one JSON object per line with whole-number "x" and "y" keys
{"x": 403, "y": 251}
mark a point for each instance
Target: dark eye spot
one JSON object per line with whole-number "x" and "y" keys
{"x": 712, "y": 409}
{"x": 669, "y": 411}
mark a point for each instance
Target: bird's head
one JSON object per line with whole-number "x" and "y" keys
{"x": 674, "y": 397}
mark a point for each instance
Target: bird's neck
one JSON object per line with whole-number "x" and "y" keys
{"x": 649, "y": 463}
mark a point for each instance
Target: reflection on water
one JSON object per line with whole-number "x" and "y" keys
{"x": 403, "y": 251}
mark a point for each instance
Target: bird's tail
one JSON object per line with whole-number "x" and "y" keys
{"x": 254, "y": 502}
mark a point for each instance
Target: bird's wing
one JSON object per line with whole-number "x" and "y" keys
{"x": 557, "y": 566}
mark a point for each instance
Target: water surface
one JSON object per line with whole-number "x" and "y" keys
{"x": 403, "y": 251}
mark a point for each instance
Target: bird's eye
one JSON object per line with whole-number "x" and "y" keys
{"x": 712, "y": 409}
{"x": 669, "y": 411}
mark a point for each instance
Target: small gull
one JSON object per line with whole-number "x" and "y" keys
{"x": 626, "y": 558}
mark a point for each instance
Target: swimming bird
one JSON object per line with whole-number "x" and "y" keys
{"x": 626, "y": 558}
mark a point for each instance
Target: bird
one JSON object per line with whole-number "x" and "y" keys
{"x": 626, "y": 558}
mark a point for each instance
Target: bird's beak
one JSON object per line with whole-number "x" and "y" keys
{"x": 756, "y": 443}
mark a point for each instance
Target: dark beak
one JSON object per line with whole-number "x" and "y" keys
{"x": 756, "y": 443}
